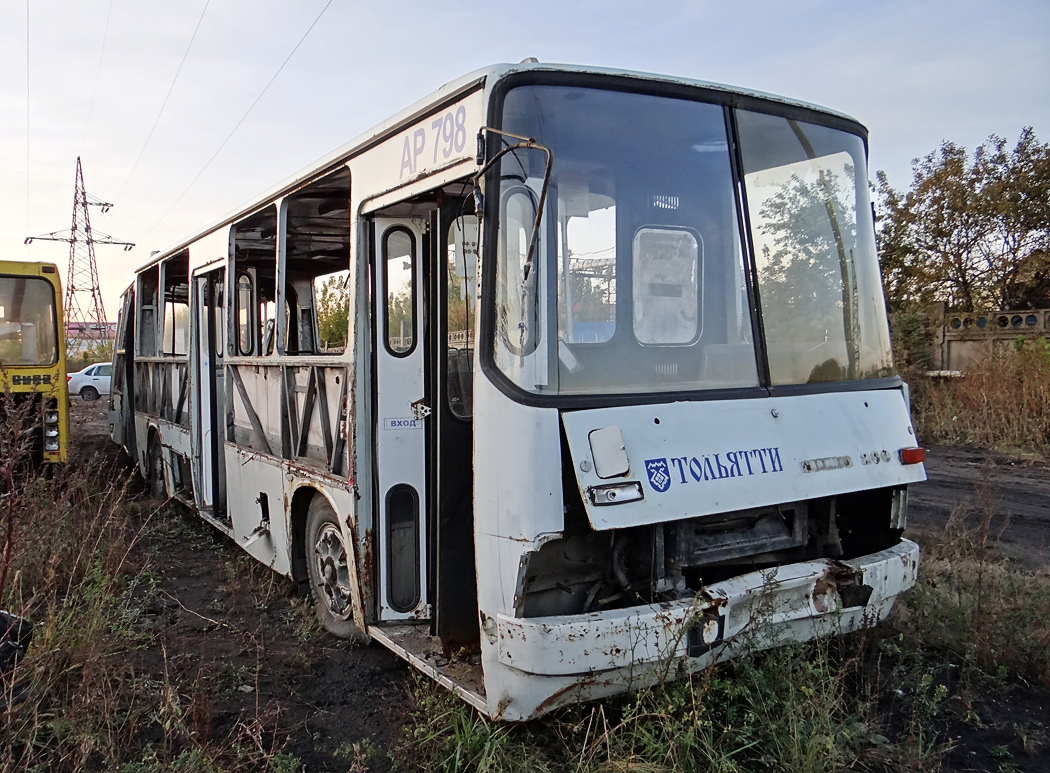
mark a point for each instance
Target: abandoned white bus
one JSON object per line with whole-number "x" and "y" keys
{"x": 610, "y": 395}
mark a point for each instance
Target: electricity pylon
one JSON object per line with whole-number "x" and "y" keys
{"x": 82, "y": 277}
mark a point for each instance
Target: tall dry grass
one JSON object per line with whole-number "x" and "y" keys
{"x": 1001, "y": 403}
{"x": 973, "y": 604}
{"x": 88, "y": 694}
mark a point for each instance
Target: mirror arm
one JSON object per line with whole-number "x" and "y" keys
{"x": 523, "y": 143}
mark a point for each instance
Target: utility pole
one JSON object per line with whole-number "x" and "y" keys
{"x": 84, "y": 323}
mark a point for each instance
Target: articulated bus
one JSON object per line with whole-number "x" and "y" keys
{"x": 33, "y": 358}
{"x": 557, "y": 382}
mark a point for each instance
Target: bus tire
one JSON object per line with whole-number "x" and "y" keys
{"x": 328, "y": 572}
{"x": 155, "y": 469}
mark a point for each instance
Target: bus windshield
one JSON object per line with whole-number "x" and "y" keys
{"x": 28, "y": 328}
{"x": 639, "y": 282}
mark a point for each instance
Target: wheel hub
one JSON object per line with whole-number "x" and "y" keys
{"x": 330, "y": 561}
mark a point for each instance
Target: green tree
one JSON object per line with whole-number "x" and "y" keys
{"x": 98, "y": 351}
{"x": 333, "y": 311}
{"x": 974, "y": 233}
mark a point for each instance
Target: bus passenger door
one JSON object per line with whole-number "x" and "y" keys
{"x": 122, "y": 385}
{"x": 454, "y": 236}
{"x": 401, "y": 423}
{"x": 207, "y": 367}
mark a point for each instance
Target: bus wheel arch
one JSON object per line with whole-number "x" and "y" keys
{"x": 321, "y": 551}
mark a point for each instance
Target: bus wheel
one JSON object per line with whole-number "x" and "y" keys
{"x": 155, "y": 469}
{"x": 328, "y": 571}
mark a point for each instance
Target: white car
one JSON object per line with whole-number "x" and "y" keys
{"x": 91, "y": 382}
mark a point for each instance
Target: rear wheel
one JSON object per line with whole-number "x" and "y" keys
{"x": 89, "y": 393}
{"x": 328, "y": 571}
{"x": 155, "y": 468}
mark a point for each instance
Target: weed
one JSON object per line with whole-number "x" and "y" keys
{"x": 1000, "y": 753}
{"x": 1032, "y": 737}
{"x": 803, "y": 708}
{"x": 75, "y": 567}
{"x": 973, "y": 604}
{"x": 450, "y": 736}
{"x": 357, "y": 754}
{"x": 1002, "y": 402}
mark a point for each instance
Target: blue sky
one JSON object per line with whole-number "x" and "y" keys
{"x": 915, "y": 73}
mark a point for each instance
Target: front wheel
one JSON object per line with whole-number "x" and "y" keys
{"x": 155, "y": 469}
{"x": 328, "y": 571}
{"x": 89, "y": 393}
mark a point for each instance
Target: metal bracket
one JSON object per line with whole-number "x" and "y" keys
{"x": 260, "y": 531}
{"x": 420, "y": 410}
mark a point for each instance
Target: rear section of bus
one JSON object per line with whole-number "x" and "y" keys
{"x": 35, "y": 402}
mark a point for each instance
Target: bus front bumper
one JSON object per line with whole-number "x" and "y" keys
{"x": 761, "y": 609}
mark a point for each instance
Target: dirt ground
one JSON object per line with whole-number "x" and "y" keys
{"x": 264, "y": 670}
{"x": 260, "y": 668}
{"x": 1016, "y": 492}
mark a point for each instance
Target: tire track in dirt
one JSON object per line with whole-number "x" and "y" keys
{"x": 1016, "y": 491}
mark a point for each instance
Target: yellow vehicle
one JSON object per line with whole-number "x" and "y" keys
{"x": 33, "y": 356}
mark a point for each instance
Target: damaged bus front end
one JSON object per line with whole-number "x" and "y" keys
{"x": 690, "y": 438}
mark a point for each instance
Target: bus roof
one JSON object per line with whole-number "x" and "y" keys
{"x": 446, "y": 93}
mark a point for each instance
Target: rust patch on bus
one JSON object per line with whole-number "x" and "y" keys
{"x": 367, "y": 559}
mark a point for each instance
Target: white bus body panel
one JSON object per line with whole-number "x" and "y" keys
{"x": 518, "y": 507}
{"x": 441, "y": 138}
{"x": 250, "y": 474}
{"x": 701, "y": 458}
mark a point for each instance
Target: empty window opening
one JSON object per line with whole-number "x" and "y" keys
{"x": 147, "y": 296}
{"x": 315, "y": 286}
{"x": 176, "y": 332}
{"x": 254, "y": 243}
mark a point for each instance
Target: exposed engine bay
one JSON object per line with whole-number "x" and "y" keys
{"x": 592, "y": 571}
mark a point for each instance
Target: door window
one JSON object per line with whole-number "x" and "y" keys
{"x": 399, "y": 277}
{"x": 462, "y": 288}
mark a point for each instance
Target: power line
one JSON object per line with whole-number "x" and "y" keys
{"x": 165, "y": 103}
{"x": 235, "y": 128}
{"x": 28, "y": 123}
{"x": 98, "y": 72}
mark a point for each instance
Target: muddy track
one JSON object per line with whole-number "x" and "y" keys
{"x": 1014, "y": 493}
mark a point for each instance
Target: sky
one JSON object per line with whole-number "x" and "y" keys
{"x": 162, "y": 100}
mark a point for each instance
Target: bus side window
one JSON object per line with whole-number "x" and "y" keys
{"x": 517, "y": 314}
{"x": 147, "y": 325}
{"x": 254, "y": 271}
{"x": 175, "y": 339}
{"x": 315, "y": 318}
{"x": 399, "y": 277}
{"x": 244, "y": 315}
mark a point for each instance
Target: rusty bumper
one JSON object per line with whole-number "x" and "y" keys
{"x": 760, "y": 609}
